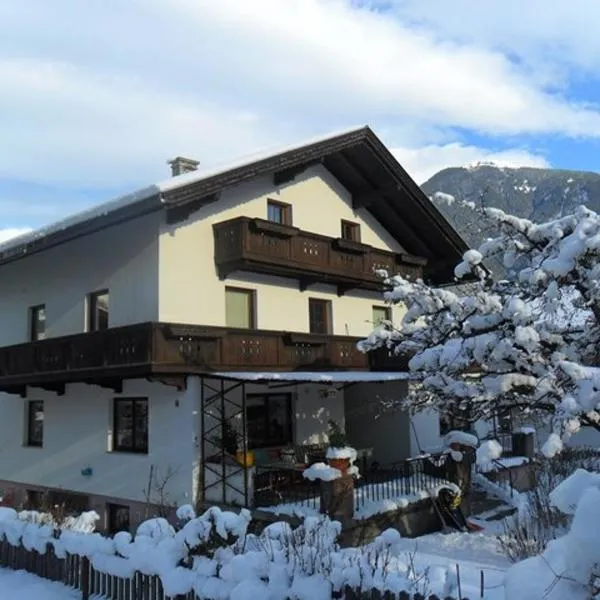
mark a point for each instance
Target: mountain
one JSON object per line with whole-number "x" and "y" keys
{"x": 537, "y": 194}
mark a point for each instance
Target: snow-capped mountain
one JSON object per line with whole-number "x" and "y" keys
{"x": 537, "y": 194}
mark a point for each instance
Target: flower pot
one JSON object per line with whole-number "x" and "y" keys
{"x": 341, "y": 464}
{"x": 246, "y": 459}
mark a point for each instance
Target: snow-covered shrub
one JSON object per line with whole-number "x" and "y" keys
{"x": 539, "y": 521}
{"x": 569, "y": 567}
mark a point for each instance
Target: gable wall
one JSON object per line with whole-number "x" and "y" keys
{"x": 122, "y": 259}
{"x": 190, "y": 291}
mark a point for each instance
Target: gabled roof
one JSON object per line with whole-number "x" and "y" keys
{"x": 357, "y": 158}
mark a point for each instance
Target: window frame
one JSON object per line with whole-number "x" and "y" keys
{"x": 92, "y": 310}
{"x": 386, "y": 309}
{"x": 251, "y": 294}
{"x": 130, "y": 449}
{"x": 30, "y": 441}
{"x": 286, "y": 212}
{"x": 33, "y": 331}
{"x": 352, "y": 228}
{"x": 288, "y": 438}
{"x": 111, "y": 509}
{"x": 328, "y": 316}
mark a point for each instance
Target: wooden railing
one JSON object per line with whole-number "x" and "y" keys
{"x": 261, "y": 246}
{"x": 166, "y": 349}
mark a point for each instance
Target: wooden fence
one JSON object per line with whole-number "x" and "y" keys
{"x": 77, "y": 572}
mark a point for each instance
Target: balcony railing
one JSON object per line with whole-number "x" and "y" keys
{"x": 168, "y": 349}
{"x": 261, "y": 246}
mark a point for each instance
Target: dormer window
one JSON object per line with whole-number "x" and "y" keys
{"x": 350, "y": 231}
{"x": 279, "y": 212}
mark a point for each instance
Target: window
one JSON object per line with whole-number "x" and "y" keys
{"x": 37, "y": 322}
{"x": 278, "y": 212}
{"x": 98, "y": 311}
{"x": 319, "y": 316}
{"x": 350, "y": 231}
{"x": 35, "y": 423}
{"x": 118, "y": 518}
{"x": 269, "y": 420}
{"x": 130, "y": 425}
{"x": 380, "y": 314}
{"x": 240, "y": 308}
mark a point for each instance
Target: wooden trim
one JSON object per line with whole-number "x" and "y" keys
{"x": 148, "y": 350}
{"x": 327, "y": 305}
{"x": 32, "y": 312}
{"x": 350, "y": 231}
{"x": 350, "y": 246}
{"x": 92, "y": 306}
{"x": 286, "y": 212}
{"x": 266, "y": 226}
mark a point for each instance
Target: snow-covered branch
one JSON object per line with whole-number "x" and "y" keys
{"x": 529, "y": 340}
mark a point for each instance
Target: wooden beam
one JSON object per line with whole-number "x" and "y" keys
{"x": 370, "y": 197}
{"x": 344, "y": 288}
{"x": 57, "y": 388}
{"x": 180, "y": 212}
{"x": 20, "y": 390}
{"x": 178, "y": 381}
{"x": 116, "y": 385}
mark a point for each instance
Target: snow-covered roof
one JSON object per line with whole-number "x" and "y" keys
{"x": 156, "y": 189}
{"x": 319, "y": 376}
{"x": 402, "y": 207}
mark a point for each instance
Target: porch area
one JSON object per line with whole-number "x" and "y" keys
{"x": 261, "y": 431}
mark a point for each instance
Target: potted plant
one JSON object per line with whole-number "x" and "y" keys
{"x": 339, "y": 454}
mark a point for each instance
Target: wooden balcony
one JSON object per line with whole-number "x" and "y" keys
{"x": 164, "y": 350}
{"x": 256, "y": 245}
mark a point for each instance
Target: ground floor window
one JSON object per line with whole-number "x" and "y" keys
{"x": 131, "y": 425}
{"x": 269, "y": 420}
{"x": 35, "y": 423}
{"x": 118, "y": 518}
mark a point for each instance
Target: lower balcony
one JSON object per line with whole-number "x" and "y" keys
{"x": 167, "y": 350}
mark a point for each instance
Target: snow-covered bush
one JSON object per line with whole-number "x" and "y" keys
{"x": 539, "y": 520}
{"x": 569, "y": 567}
{"x": 214, "y": 556}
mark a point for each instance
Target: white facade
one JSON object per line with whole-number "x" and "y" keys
{"x": 159, "y": 272}
{"x": 123, "y": 259}
{"x": 191, "y": 292}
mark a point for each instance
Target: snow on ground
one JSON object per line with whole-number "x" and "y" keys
{"x": 19, "y": 585}
{"x": 473, "y": 552}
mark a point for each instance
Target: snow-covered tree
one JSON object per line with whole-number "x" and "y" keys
{"x": 529, "y": 341}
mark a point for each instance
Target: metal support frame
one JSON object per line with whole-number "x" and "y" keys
{"x": 218, "y": 408}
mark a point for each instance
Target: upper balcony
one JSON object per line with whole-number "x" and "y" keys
{"x": 260, "y": 246}
{"x": 170, "y": 351}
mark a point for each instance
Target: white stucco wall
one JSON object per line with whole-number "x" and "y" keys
{"x": 190, "y": 291}
{"x": 77, "y": 434}
{"x": 123, "y": 259}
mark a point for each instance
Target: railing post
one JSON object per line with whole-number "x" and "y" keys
{"x": 84, "y": 577}
{"x": 337, "y": 498}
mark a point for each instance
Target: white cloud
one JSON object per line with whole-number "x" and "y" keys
{"x": 421, "y": 163}
{"x": 12, "y": 232}
{"x": 545, "y": 35}
{"x": 96, "y": 96}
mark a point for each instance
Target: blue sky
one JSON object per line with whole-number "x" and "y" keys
{"x": 96, "y": 96}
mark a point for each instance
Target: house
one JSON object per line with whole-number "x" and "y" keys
{"x": 138, "y": 337}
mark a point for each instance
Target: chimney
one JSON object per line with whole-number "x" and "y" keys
{"x": 181, "y": 165}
